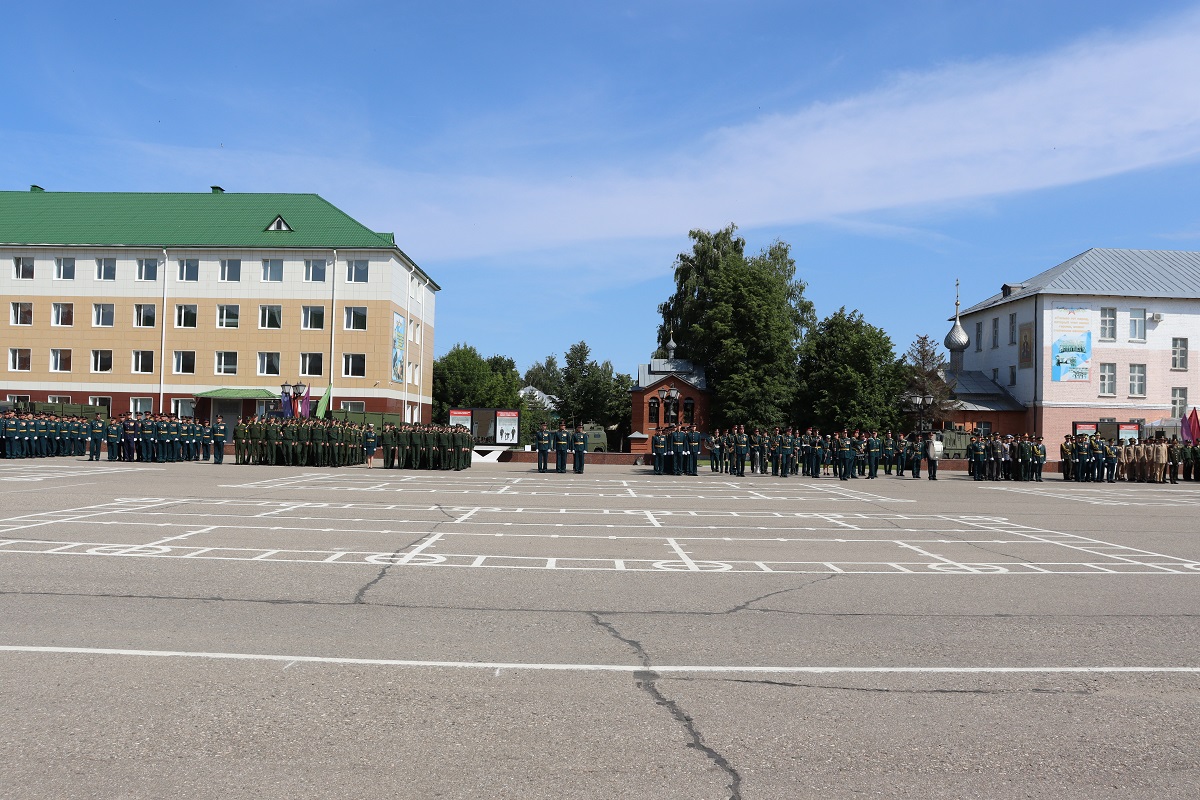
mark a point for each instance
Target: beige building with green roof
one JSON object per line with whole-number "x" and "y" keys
{"x": 208, "y": 303}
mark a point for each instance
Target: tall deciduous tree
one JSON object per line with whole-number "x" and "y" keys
{"x": 924, "y": 363}
{"x": 742, "y": 319}
{"x": 463, "y": 378}
{"x": 849, "y": 376}
{"x": 545, "y": 376}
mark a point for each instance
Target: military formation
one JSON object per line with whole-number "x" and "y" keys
{"x": 303, "y": 442}
{"x": 562, "y": 443}
{"x": 155, "y": 438}
{"x": 1006, "y": 458}
{"x": 165, "y": 439}
{"x": 1092, "y": 459}
{"x": 786, "y": 452}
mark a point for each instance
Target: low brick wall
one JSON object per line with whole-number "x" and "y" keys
{"x": 632, "y": 459}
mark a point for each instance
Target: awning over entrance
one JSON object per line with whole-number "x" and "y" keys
{"x": 234, "y": 393}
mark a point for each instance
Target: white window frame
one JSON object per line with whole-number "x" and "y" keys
{"x": 352, "y": 270}
{"x": 145, "y": 266}
{"x": 268, "y": 270}
{"x": 1137, "y": 374}
{"x": 995, "y": 332}
{"x": 95, "y": 362}
{"x": 1012, "y": 328}
{"x": 98, "y": 314}
{"x": 1108, "y": 324}
{"x": 223, "y": 315}
{"x": 56, "y": 315}
{"x": 230, "y": 266}
{"x": 59, "y": 356}
{"x": 264, "y": 312}
{"x": 1012, "y": 375}
{"x": 106, "y": 269}
{"x": 141, "y": 405}
{"x": 349, "y": 313}
{"x": 347, "y": 360}
{"x": 1137, "y": 324}
{"x": 306, "y": 365}
{"x": 223, "y": 365}
{"x": 306, "y": 314}
{"x": 312, "y": 266}
{"x": 353, "y": 406}
{"x": 181, "y": 310}
{"x": 15, "y": 358}
{"x": 138, "y": 356}
{"x": 15, "y": 313}
{"x": 188, "y": 266}
{"x": 264, "y": 361}
{"x": 61, "y": 266}
{"x": 177, "y": 357}
{"x": 1108, "y": 379}
{"x": 1179, "y": 353}
{"x": 1179, "y": 401}
{"x": 20, "y": 263}
{"x": 979, "y": 336}
{"x": 139, "y": 313}
{"x": 100, "y": 400}
{"x": 58, "y": 398}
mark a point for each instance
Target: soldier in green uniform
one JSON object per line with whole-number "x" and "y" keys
{"x": 562, "y": 445}
{"x": 658, "y": 450}
{"x": 217, "y": 433}
{"x": 112, "y": 436}
{"x": 579, "y": 446}
{"x": 543, "y": 440}
{"x": 874, "y": 447}
{"x": 97, "y": 432}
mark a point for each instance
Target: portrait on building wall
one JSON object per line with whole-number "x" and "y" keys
{"x": 1025, "y": 346}
{"x": 398, "y": 328}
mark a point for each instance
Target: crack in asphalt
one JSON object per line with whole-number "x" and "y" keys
{"x": 746, "y": 605}
{"x": 361, "y": 597}
{"x": 645, "y": 680}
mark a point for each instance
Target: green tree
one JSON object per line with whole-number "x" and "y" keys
{"x": 924, "y": 366}
{"x": 545, "y": 375}
{"x": 594, "y": 392}
{"x": 849, "y": 376}
{"x": 463, "y": 378}
{"x": 742, "y": 319}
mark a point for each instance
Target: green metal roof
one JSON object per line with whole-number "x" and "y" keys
{"x": 227, "y": 393}
{"x": 165, "y": 219}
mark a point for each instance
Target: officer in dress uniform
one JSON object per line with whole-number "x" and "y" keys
{"x": 658, "y": 450}
{"x": 217, "y": 433}
{"x": 579, "y": 442}
{"x": 97, "y": 432}
{"x": 562, "y": 445}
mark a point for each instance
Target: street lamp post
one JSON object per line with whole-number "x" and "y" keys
{"x": 293, "y": 393}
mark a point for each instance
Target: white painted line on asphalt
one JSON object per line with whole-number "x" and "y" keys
{"x": 551, "y": 667}
{"x": 653, "y": 521}
{"x": 683, "y": 556}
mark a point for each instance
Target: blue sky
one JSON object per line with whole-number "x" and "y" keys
{"x": 544, "y": 161}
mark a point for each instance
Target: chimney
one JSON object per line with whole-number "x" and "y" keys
{"x": 33, "y": 187}
{"x": 217, "y": 190}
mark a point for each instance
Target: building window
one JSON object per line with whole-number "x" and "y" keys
{"x": 185, "y": 316}
{"x": 1012, "y": 328}
{"x": 22, "y": 314}
{"x": 312, "y": 318}
{"x": 354, "y": 365}
{"x": 185, "y": 362}
{"x": 226, "y": 362}
{"x": 96, "y": 400}
{"x": 357, "y": 271}
{"x": 183, "y": 407}
{"x": 147, "y": 269}
{"x": 1179, "y": 402}
{"x": 1179, "y": 348}
{"x": 102, "y": 315}
{"x": 312, "y": 364}
{"x": 689, "y": 410}
{"x": 270, "y": 317}
{"x": 978, "y": 336}
{"x": 141, "y": 405}
{"x": 102, "y": 361}
{"x": 64, "y": 269}
{"x": 1108, "y": 379}
{"x": 60, "y": 360}
{"x": 62, "y": 314}
{"x": 414, "y": 373}
{"x": 268, "y": 363}
{"x": 414, "y": 329}
{"x": 652, "y": 410}
{"x": 18, "y": 359}
{"x": 143, "y": 315}
{"x": 227, "y": 316}
{"x": 996, "y": 375}
{"x": 143, "y": 362}
{"x": 23, "y": 268}
{"x": 1137, "y": 324}
{"x": 58, "y": 398}
{"x": 272, "y": 270}
{"x": 189, "y": 270}
{"x": 314, "y": 270}
{"x": 1108, "y": 324}
{"x": 1012, "y": 375}
{"x": 1137, "y": 380}
{"x": 353, "y": 406}
{"x": 106, "y": 269}
{"x": 995, "y": 332}
{"x": 356, "y": 318}
{"x": 231, "y": 270}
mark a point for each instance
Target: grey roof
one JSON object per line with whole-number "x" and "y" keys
{"x": 1107, "y": 272}
{"x": 975, "y": 391}
{"x": 659, "y": 368}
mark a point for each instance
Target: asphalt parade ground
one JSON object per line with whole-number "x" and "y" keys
{"x": 192, "y": 630}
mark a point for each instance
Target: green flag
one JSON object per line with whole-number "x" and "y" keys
{"x": 323, "y": 406}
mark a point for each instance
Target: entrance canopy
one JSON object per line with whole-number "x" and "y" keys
{"x": 233, "y": 393}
